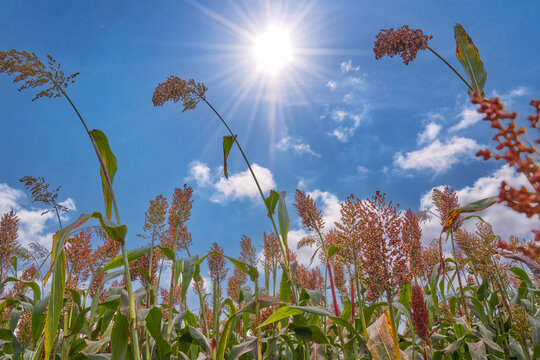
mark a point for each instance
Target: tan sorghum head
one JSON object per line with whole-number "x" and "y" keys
{"x": 480, "y": 249}
{"x": 34, "y": 73}
{"x": 216, "y": 263}
{"x": 247, "y": 251}
{"x": 271, "y": 250}
{"x": 175, "y": 89}
{"x": 403, "y": 41}
{"x": 385, "y": 255}
{"x": 155, "y": 216}
{"x": 445, "y": 201}
{"x": 307, "y": 210}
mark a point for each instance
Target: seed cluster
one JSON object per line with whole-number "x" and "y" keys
{"x": 402, "y": 41}
{"x": 175, "y": 89}
{"x": 34, "y": 73}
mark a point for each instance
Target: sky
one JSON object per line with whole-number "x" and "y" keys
{"x": 333, "y": 122}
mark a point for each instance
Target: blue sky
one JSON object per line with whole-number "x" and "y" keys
{"x": 334, "y": 122}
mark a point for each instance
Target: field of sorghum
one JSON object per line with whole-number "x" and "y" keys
{"x": 380, "y": 293}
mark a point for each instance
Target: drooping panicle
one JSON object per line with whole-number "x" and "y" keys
{"x": 402, "y": 41}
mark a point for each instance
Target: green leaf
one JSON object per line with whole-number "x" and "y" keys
{"x": 283, "y": 217}
{"x": 33, "y": 285}
{"x": 471, "y": 207}
{"x": 228, "y": 142}
{"x": 477, "y": 350}
{"x": 285, "y": 288}
{"x": 264, "y": 302}
{"x": 332, "y": 251}
{"x": 248, "y": 269}
{"x": 282, "y": 313}
{"x": 132, "y": 256}
{"x": 187, "y": 274}
{"x": 120, "y": 337}
{"x": 271, "y": 202}
{"x": 38, "y": 317}
{"x": 153, "y": 324}
{"x": 199, "y": 338}
{"x": 109, "y": 160}
{"x": 309, "y": 333}
{"x": 56, "y": 302}
{"x": 468, "y": 56}
{"x": 167, "y": 252}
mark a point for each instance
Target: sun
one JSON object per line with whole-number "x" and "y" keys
{"x": 273, "y": 50}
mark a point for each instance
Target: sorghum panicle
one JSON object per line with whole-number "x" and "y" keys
{"x": 445, "y": 201}
{"x": 34, "y": 73}
{"x": 419, "y": 313}
{"x": 307, "y": 210}
{"x": 175, "y": 89}
{"x": 402, "y": 41}
{"x": 216, "y": 264}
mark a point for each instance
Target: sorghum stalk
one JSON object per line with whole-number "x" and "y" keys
{"x": 451, "y": 67}
{"x": 460, "y": 284}
{"x": 173, "y": 288}
{"x": 201, "y": 302}
{"x": 360, "y": 300}
{"x": 397, "y": 352}
{"x": 258, "y": 320}
{"x": 281, "y": 244}
{"x": 133, "y": 333}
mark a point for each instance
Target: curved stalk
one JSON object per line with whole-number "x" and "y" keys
{"x": 281, "y": 243}
{"x": 451, "y": 68}
{"x": 460, "y": 284}
{"x": 133, "y": 333}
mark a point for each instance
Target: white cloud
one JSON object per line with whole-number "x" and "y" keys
{"x": 241, "y": 185}
{"x": 32, "y": 225}
{"x": 468, "y": 116}
{"x": 348, "y": 123}
{"x": 430, "y": 133}
{"x": 348, "y": 106}
{"x": 437, "y": 156}
{"x": 508, "y": 98}
{"x": 505, "y": 221}
{"x": 296, "y": 145}
{"x": 199, "y": 172}
{"x": 346, "y": 66}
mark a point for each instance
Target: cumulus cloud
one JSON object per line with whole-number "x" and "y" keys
{"x": 347, "y": 123}
{"x": 346, "y": 66}
{"x": 468, "y": 116}
{"x": 238, "y": 186}
{"x": 437, "y": 156}
{"x": 505, "y": 221}
{"x": 430, "y": 133}
{"x": 199, "y": 172}
{"x": 348, "y": 106}
{"x": 241, "y": 185}
{"x": 296, "y": 145}
{"x": 33, "y": 227}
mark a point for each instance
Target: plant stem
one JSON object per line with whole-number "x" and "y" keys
{"x": 397, "y": 352}
{"x": 281, "y": 242}
{"x": 463, "y": 298}
{"x": 173, "y": 286}
{"x": 201, "y": 302}
{"x": 133, "y": 333}
{"x": 452, "y": 68}
{"x": 258, "y": 320}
